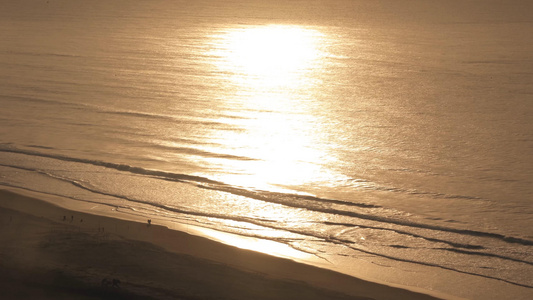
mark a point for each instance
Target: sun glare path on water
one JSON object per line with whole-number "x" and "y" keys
{"x": 272, "y": 74}
{"x": 271, "y": 56}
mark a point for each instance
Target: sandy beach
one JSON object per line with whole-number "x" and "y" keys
{"x": 51, "y": 252}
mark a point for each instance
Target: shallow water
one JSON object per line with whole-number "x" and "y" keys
{"x": 398, "y": 135}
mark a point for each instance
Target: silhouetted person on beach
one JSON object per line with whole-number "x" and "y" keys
{"x": 116, "y": 283}
{"x": 113, "y": 283}
{"x": 149, "y": 222}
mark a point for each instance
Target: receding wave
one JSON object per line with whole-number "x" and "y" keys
{"x": 310, "y": 203}
{"x": 442, "y": 267}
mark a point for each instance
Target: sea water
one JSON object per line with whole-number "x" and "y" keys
{"x": 392, "y": 134}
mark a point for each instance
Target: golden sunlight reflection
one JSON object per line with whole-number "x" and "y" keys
{"x": 269, "y": 56}
{"x": 272, "y": 74}
{"x": 255, "y": 244}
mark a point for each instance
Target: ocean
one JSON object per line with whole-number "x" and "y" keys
{"x": 389, "y": 139}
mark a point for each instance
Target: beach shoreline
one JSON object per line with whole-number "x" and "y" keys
{"x": 152, "y": 261}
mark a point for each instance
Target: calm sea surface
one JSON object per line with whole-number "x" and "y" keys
{"x": 397, "y": 134}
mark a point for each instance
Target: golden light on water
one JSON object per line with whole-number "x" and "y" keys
{"x": 272, "y": 75}
{"x": 270, "y": 56}
{"x": 255, "y": 244}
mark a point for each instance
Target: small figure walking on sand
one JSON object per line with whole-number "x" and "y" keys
{"x": 149, "y": 222}
{"x": 116, "y": 283}
{"x": 111, "y": 283}
{"x": 71, "y": 219}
